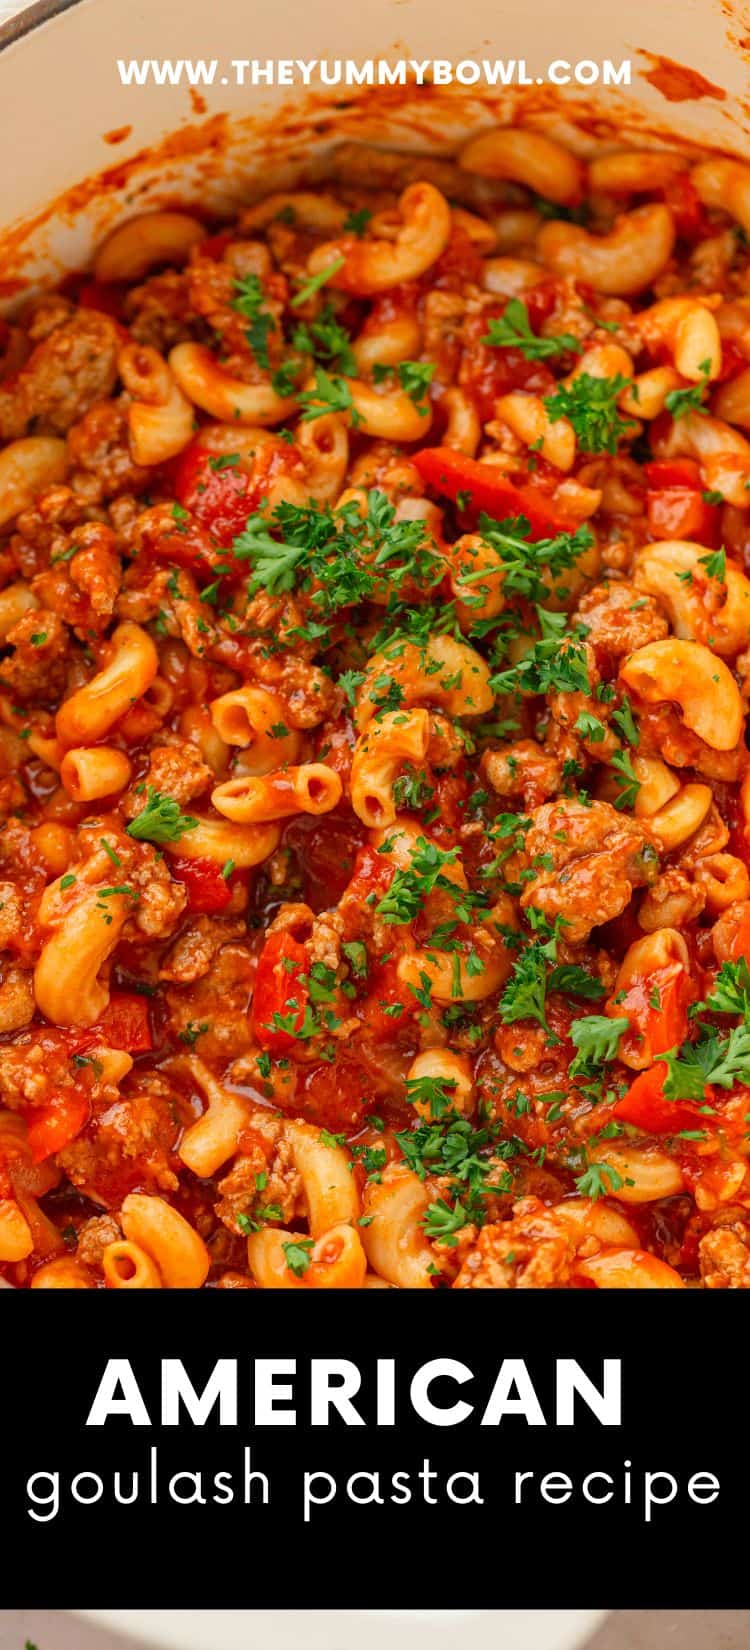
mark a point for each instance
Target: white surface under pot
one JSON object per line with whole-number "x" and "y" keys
{"x": 352, "y": 1629}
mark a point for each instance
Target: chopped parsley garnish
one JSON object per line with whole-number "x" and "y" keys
{"x": 590, "y": 405}
{"x": 546, "y": 668}
{"x": 730, "y": 993}
{"x": 624, "y": 721}
{"x": 529, "y": 568}
{"x": 357, "y": 222}
{"x": 470, "y": 1158}
{"x": 713, "y": 1059}
{"x": 590, "y": 727}
{"x": 433, "y": 1093}
{"x": 224, "y": 461}
{"x": 248, "y": 300}
{"x": 414, "y": 377}
{"x": 326, "y": 340}
{"x": 596, "y": 1038}
{"x": 329, "y": 395}
{"x": 715, "y": 564}
{"x": 410, "y": 887}
{"x": 629, "y": 784}
{"x": 162, "y": 820}
{"x": 340, "y": 555}
{"x": 298, "y": 1255}
{"x": 599, "y": 1180}
{"x": 316, "y": 282}
{"x": 513, "y": 331}
{"x": 680, "y": 402}
{"x": 525, "y": 994}
{"x": 356, "y": 956}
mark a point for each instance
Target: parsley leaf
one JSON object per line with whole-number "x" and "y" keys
{"x": 298, "y": 1255}
{"x": 415, "y": 378}
{"x": 712, "y": 1059}
{"x": 596, "y": 1038}
{"x": 357, "y": 222}
{"x": 436, "y": 1095}
{"x": 680, "y": 402}
{"x": 527, "y": 566}
{"x": 161, "y": 820}
{"x": 599, "y": 1180}
{"x": 629, "y": 782}
{"x": 329, "y": 395}
{"x": 731, "y": 990}
{"x": 590, "y": 727}
{"x": 624, "y": 721}
{"x": 546, "y": 668}
{"x": 525, "y": 994}
{"x": 327, "y": 340}
{"x": 248, "y": 300}
{"x": 715, "y": 564}
{"x": 590, "y": 405}
{"x": 513, "y": 331}
{"x": 315, "y": 282}
{"x": 574, "y": 981}
{"x": 441, "y": 1222}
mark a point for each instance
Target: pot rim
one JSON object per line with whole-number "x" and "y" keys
{"x": 26, "y": 21}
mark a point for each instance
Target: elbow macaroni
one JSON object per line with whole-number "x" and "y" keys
{"x": 372, "y": 741}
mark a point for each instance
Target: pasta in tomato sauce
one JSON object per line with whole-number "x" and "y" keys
{"x": 374, "y": 661}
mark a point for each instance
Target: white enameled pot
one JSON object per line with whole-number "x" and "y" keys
{"x": 83, "y": 150}
{"x": 77, "y": 136}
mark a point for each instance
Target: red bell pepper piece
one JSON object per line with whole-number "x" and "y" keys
{"x": 53, "y": 1126}
{"x": 656, "y": 1006}
{"x": 675, "y": 506}
{"x": 280, "y": 991}
{"x": 453, "y": 474}
{"x": 646, "y": 1105}
{"x": 673, "y": 472}
{"x": 208, "y": 890}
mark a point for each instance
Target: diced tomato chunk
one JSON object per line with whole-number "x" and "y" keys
{"x": 125, "y": 1023}
{"x": 459, "y": 263}
{"x": 732, "y": 361}
{"x": 280, "y": 992}
{"x": 106, "y": 298}
{"x": 388, "y": 1003}
{"x": 487, "y": 372}
{"x": 325, "y": 849}
{"x": 218, "y": 495}
{"x": 215, "y": 246}
{"x": 54, "y": 1125}
{"x": 691, "y": 218}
